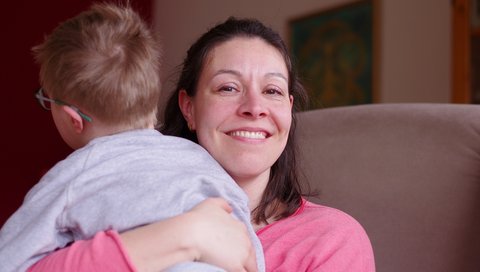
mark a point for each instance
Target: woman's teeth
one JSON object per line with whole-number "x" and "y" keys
{"x": 248, "y": 134}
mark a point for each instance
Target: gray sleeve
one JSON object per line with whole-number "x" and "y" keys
{"x": 33, "y": 230}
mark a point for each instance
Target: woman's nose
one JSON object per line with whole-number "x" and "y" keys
{"x": 252, "y": 105}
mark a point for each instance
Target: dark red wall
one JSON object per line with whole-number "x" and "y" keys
{"x": 29, "y": 142}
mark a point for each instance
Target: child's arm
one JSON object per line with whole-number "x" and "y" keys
{"x": 207, "y": 233}
{"x": 35, "y": 229}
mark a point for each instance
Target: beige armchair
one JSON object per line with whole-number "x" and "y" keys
{"x": 409, "y": 173}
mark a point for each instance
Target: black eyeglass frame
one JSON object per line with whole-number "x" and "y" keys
{"x": 41, "y": 98}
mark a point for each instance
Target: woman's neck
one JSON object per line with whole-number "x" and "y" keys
{"x": 254, "y": 187}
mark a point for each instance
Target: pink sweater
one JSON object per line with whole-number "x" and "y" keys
{"x": 104, "y": 252}
{"x": 315, "y": 238}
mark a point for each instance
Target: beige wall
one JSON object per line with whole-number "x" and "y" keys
{"x": 414, "y": 38}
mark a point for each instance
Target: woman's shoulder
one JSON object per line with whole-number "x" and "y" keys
{"x": 326, "y": 237}
{"x": 317, "y": 213}
{"x": 317, "y": 220}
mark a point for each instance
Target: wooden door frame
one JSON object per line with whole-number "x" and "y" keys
{"x": 461, "y": 52}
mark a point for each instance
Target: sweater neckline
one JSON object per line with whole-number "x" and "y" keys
{"x": 297, "y": 212}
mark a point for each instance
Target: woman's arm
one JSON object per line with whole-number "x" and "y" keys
{"x": 104, "y": 252}
{"x": 207, "y": 233}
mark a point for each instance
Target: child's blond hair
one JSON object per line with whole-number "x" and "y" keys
{"x": 104, "y": 61}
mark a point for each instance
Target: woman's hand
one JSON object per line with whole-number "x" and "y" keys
{"x": 220, "y": 239}
{"x": 208, "y": 233}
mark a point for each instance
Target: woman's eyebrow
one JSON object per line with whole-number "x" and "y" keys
{"x": 237, "y": 73}
{"x": 280, "y": 75}
{"x": 227, "y": 71}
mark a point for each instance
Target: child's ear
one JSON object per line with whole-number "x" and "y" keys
{"x": 75, "y": 119}
{"x": 186, "y": 106}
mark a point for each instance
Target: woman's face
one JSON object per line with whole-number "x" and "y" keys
{"x": 242, "y": 108}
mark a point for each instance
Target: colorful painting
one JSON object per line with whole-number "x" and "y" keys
{"x": 333, "y": 50}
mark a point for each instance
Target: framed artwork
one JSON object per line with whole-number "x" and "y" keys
{"x": 475, "y": 13}
{"x": 334, "y": 53}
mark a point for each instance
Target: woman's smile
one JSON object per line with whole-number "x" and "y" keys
{"x": 249, "y": 134}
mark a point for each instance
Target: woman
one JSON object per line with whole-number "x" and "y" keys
{"x": 236, "y": 97}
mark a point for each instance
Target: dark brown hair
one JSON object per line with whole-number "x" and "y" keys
{"x": 283, "y": 188}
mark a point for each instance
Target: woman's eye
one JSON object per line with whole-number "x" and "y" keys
{"x": 273, "y": 91}
{"x": 227, "y": 89}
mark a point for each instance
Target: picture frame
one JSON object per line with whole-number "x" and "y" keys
{"x": 334, "y": 51}
{"x": 475, "y": 13}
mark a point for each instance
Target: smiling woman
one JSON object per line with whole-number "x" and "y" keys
{"x": 236, "y": 96}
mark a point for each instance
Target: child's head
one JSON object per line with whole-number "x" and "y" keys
{"x": 104, "y": 61}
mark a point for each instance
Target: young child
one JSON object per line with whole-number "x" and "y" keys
{"x": 100, "y": 79}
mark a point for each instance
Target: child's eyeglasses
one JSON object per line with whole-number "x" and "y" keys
{"x": 45, "y": 102}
